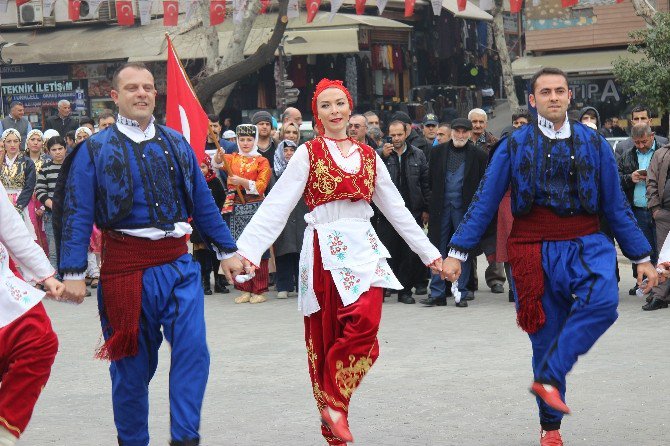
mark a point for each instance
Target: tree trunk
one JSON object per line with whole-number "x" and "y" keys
{"x": 503, "y": 53}
{"x": 234, "y": 66}
{"x": 646, "y": 11}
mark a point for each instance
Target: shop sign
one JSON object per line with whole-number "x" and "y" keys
{"x": 38, "y": 87}
{"x": 595, "y": 90}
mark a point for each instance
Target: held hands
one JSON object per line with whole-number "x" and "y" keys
{"x": 232, "y": 267}
{"x": 238, "y": 181}
{"x": 451, "y": 269}
{"x": 648, "y": 270}
{"x": 75, "y": 291}
{"x": 436, "y": 266}
{"x": 54, "y": 288}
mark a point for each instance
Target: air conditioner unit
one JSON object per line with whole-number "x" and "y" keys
{"x": 106, "y": 11}
{"x": 29, "y": 15}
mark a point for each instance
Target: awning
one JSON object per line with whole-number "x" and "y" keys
{"x": 471, "y": 11}
{"x": 592, "y": 62}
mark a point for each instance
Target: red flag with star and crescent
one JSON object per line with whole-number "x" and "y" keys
{"x": 124, "y": 13}
{"x": 183, "y": 111}
{"x": 217, "y": 12}
{"x": 170, "y": 12}
{"x": 73, "y": 8}
{"x": 312, "y": 9}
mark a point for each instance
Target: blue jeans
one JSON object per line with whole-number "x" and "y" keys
{"x": 451, "y": 218}
{"x": 648, "y": 226}
{"x": 47, "y": 221}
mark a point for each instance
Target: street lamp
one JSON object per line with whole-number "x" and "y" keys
{"x": 5, "y": 63}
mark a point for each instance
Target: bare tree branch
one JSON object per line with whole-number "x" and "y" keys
{"x": 645, "y": 10}
{"x": 208, "y": 86}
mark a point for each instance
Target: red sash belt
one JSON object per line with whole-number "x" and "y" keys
{"x": 524, "y": 247}
{"x": 124, "y": 259}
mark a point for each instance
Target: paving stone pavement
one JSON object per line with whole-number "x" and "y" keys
{"x": 446, "y": 376}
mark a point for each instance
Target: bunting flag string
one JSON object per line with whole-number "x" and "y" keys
{"x": 144, "y": 7}
{"x": 409, "y": 8}
{"x": 515, "y": 6}
{"x": 381, "y": 5}
{"x": 462, "y": 4}
{"x": 437, "y": 7}
{"x": 360, "y": 7}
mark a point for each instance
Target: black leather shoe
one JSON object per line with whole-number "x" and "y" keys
{"x": 470, "y": 295}
{"x": 221, "y": 289}
{"x": 421, "y": 290}
{"x": 649, "y": 298}
{"x": 462, "y": 304}
{"x": 655, "y": 304}
{"x": 387, "y": 292}
{"x": 434, "y": 301}
{"x": 632, "y": 291}
{"x": 406, "y": 299}
{"x": 497, "y": 288}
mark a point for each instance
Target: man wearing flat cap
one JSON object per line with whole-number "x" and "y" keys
{"x": 266, "y": 145}
{"x": 455, "y": 169}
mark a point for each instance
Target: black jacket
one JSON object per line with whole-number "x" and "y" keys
{"x": 627, "y": 165}
{"x": 219, "y": 194}
{"x": 62, "y": 126}
{"x": 476, "y": 160}
{"x": 416, "y": 177}
{"x": 418, "y": 141}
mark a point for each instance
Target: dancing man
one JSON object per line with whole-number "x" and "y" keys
{"x": 343, "y": 267}
{"x": 563, "y": 175}
{"x": 28, "y": 344}
{"x": 140, "y": 182}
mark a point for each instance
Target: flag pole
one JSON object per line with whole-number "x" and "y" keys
{"x": 212, "y": 135}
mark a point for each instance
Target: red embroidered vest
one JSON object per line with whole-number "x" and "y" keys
{"x": 328, "y": 182}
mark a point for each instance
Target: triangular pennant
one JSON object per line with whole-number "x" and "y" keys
{"x": 360, "y": 7}
{"x": 93, "y": 6}
{"x": 238, "y": 10}
{"x": 264, "y": 6}
{"x": 191, "y": 9}
{"x": 568, "y": 3}
{"x": 515, "y": 6}
{"x": 124, "y": 13}
{"x": 486, "y": 5}
{"x": 409, "y": 8}
{"x": 21, "y": 2}
{"x": 170, "y": 12}
{"x": 437, "y": 7}
{"x": 145, "y": 11}
{"x": 73, "y": 8}
{"x": 293, "y": 11}
{"x": 381, "y": 6}
{"x": 48, "y": 6}
{"x": 335, "y": 6}
{"x": 217, "y": 12}
{"x": 312, "y": 9}
{"x": 461, "y": 5}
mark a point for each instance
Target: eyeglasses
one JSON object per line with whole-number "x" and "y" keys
{"x": 356, "y": 126}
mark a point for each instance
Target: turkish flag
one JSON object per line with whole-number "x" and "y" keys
{"x": 170, "y": 12}
{"x": 462, "y": 3}
{"x": 264, "y": 6}
{"x": 515, "y": 6}
{"x": 73, "y": 7}
{"x": 124, "y": 13}
{"x": 568, "y": 3}
{"x": 360, "y": 7}
{"x": 183, "y": 111}
{"x": 312, "y": 9}
{"x": 23, "y": 2}
{"x": 217, "y": 12}
{"x": 409, "y": 8}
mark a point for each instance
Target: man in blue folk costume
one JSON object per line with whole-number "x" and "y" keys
{"x": 139, "y": 182}
{"x": 563, "y": 175}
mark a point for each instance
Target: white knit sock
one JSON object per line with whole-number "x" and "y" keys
{"x": 6, "y": 437}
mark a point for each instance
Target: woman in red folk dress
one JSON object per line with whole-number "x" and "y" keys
{"x": 343, "y": 267}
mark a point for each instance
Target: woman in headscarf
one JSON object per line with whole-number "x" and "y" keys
{"x": 343, "y": 267}
{"x": 35, "y": 150}
{"x": 205, "y": 257}
{"x": 17, "y": 174}
{"x": 81, "y": 134}
{"x": 250, "y": 174}
{"x": 289, "y": 132}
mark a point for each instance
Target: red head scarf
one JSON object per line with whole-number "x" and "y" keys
{"x": 322, "y": 85}
{"x": 210, "y": 171}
